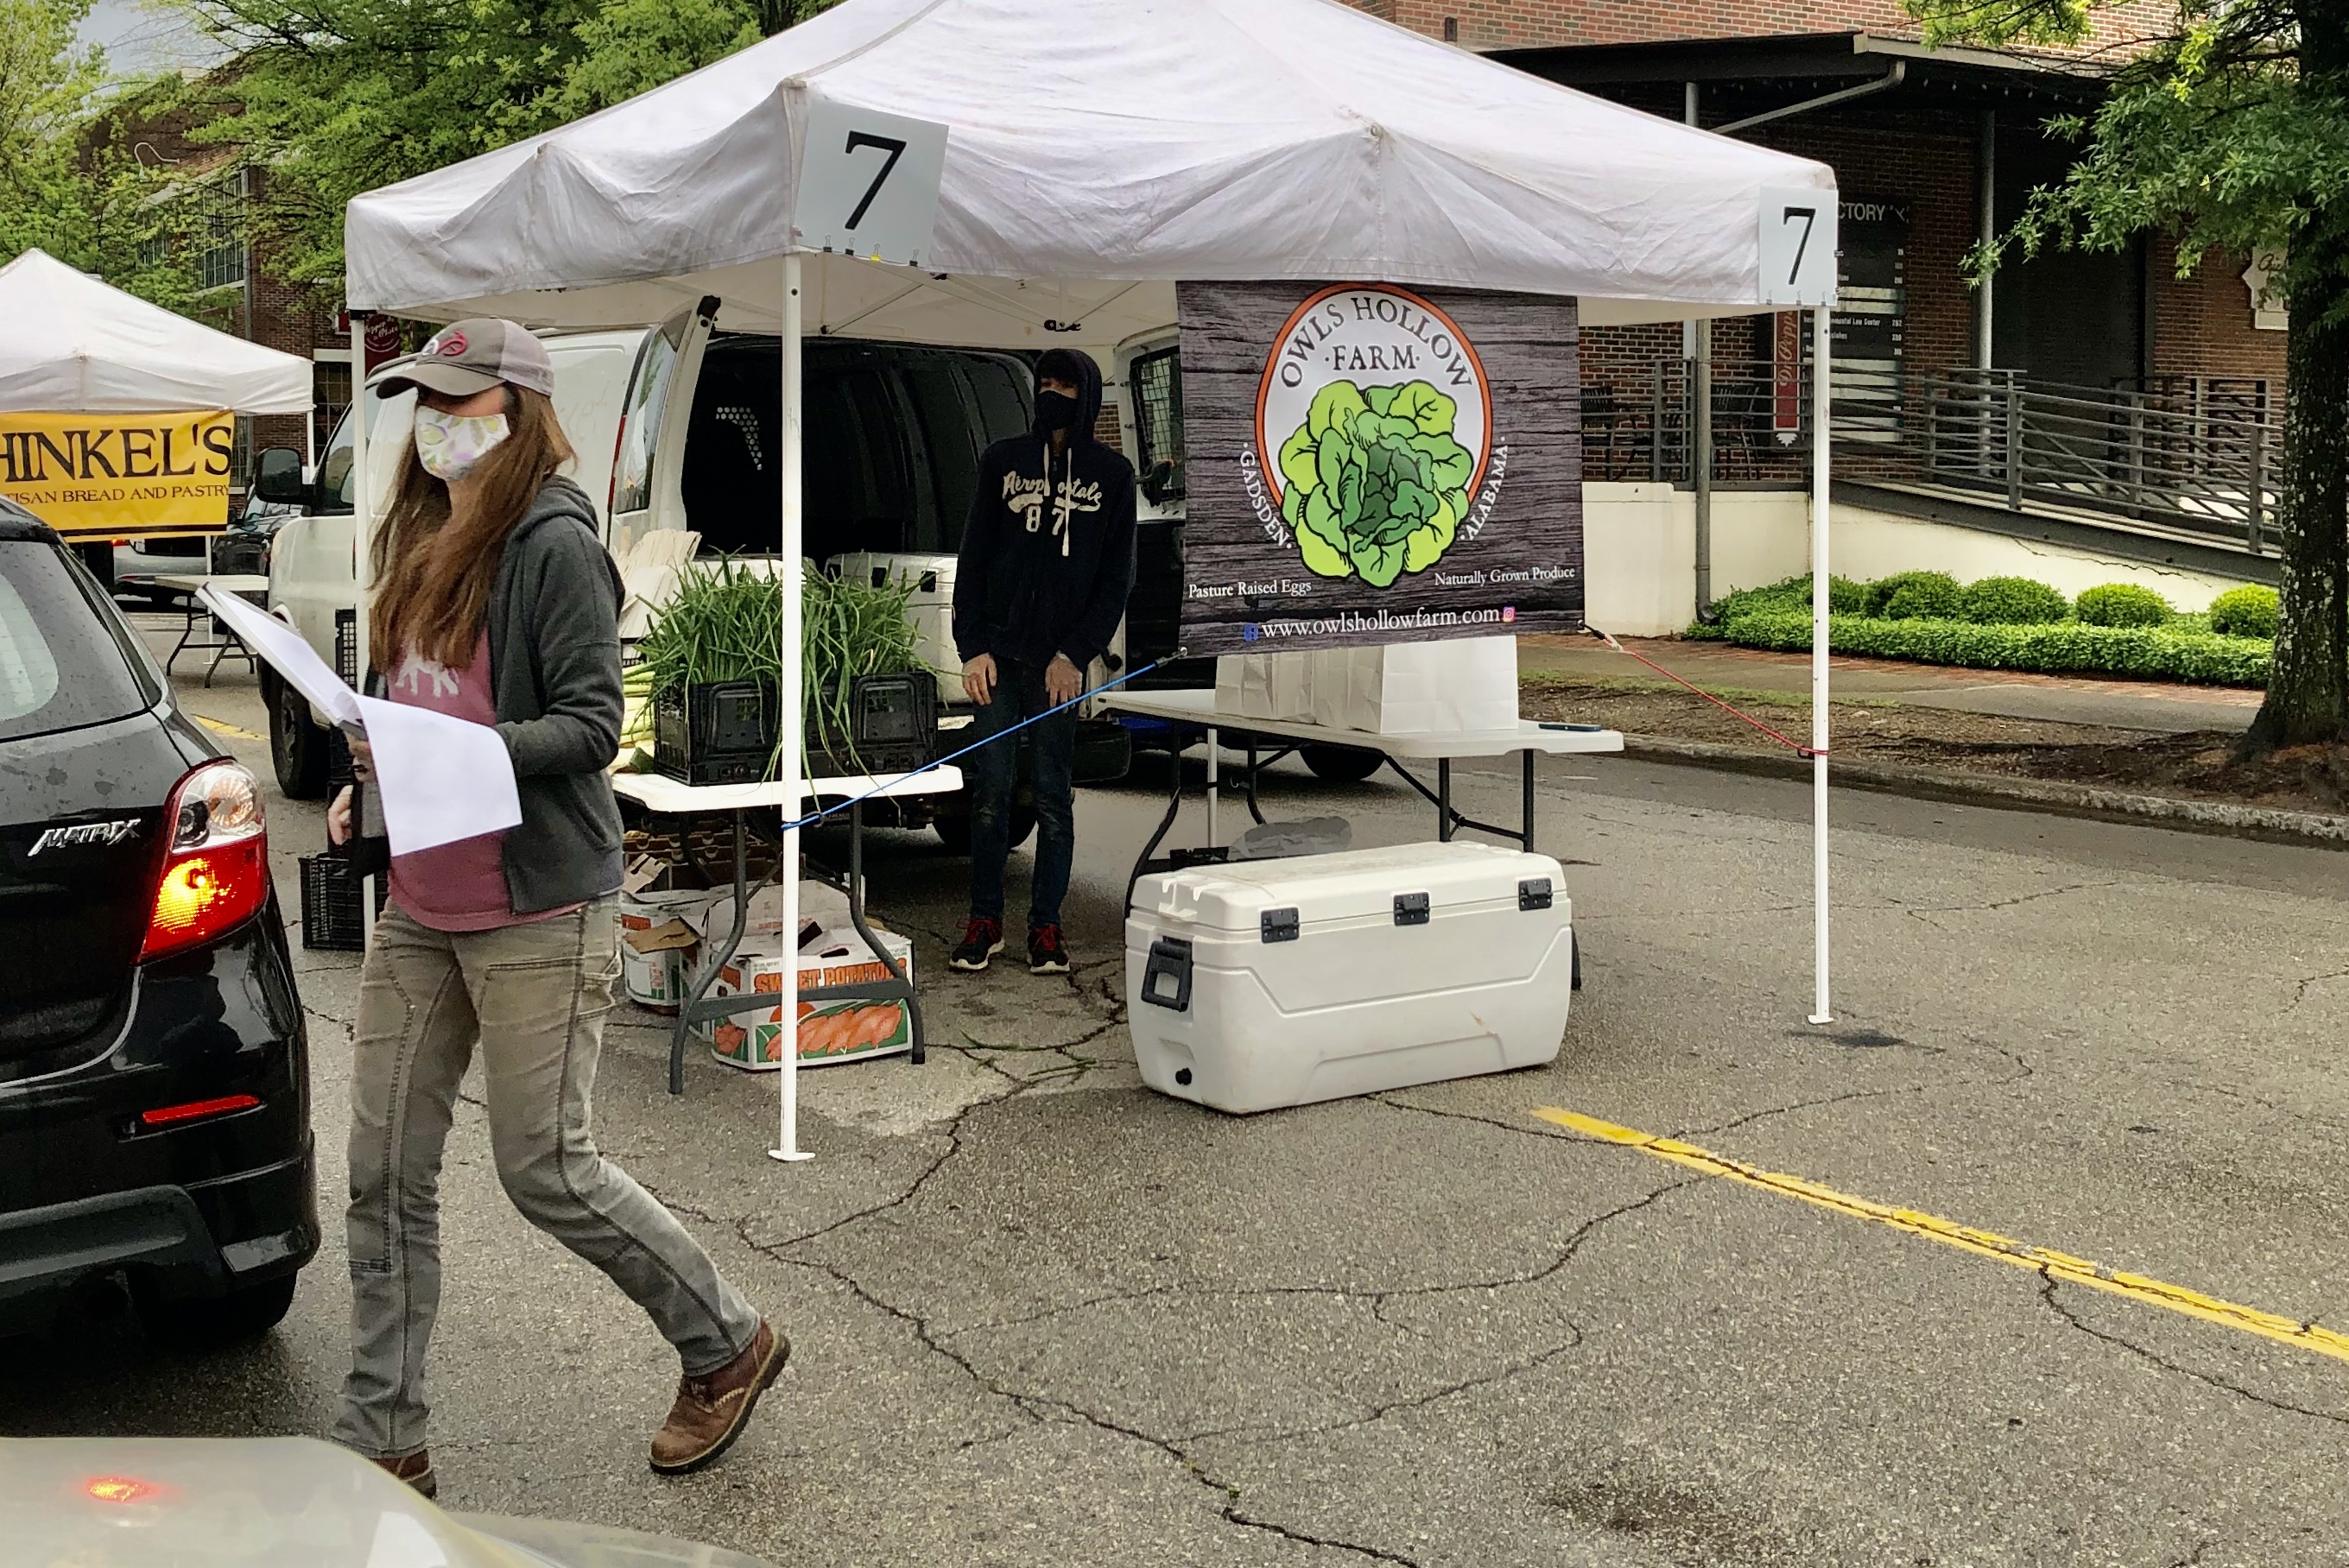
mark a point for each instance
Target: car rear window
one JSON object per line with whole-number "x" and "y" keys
{"x": 61, "y": 665}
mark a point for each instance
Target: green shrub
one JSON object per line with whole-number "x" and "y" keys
{"x": 2123, "y": 605}
{"x": 1914, "y": 597}
{"x": 2248, "y": 611}
{"x": 2161, "y": 652}
{"x": 2010, "y": 602}
{"x": 1844, "y": 597}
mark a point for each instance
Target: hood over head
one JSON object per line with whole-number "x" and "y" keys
{"x": 1075, "y": 367}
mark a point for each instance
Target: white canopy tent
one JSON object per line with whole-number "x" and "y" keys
{"x": 77, "y": 346}
{"x": 1096, "y": 153}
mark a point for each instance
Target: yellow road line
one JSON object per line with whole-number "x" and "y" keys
{"x": 218, "y": 727}
{"x": 1965, "y": 1238}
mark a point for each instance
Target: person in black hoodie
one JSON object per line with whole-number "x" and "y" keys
{"x": 1047, "y": 562}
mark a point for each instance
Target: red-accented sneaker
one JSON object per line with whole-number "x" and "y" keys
{"x": 981, "y": 940}
{"x": 1047, "y": 953}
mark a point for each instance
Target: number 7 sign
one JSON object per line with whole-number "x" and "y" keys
{"x": 868, "y": 182}
{"x": 1797, "y": 247}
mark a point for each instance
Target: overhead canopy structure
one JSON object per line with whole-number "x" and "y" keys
{"x": 1097, "y": 150}
{"x": 76, "y": 346}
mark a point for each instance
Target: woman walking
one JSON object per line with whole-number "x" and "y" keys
{"x": 496, "y": 602}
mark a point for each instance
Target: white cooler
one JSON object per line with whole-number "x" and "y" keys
{"x": 1273, "y": 983}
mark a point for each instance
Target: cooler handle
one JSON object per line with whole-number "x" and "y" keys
{"x": 1170, "y": 964}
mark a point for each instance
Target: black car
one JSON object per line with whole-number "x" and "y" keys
{"x": 154, "y": 1072}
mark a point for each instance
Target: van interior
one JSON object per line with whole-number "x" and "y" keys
{"x": 892, "y": 442}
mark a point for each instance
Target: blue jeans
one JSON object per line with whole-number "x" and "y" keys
{"x": 994, "y": 773}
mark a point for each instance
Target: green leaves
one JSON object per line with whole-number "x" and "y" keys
{"x": 2163, "y": 652}
{"x": 1376, "y": 482}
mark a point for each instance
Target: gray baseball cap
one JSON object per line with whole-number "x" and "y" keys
{"x": 469, "y": 357}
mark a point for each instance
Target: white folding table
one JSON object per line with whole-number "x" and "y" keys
{"x": 1197, "y": 707}
{"x": 659, "y": 793}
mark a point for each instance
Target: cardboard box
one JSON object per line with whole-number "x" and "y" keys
{"x": 658, "y": 937}
{"x": 830, "y": 1031}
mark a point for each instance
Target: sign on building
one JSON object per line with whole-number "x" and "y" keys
{"x": 1374, "y": 464}
{"x": 105, "y": 475}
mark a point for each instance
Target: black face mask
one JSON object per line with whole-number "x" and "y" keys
{"x": 1055, "y": 411}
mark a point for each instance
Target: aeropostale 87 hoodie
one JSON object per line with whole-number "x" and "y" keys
{"x": 1048, "y": 551}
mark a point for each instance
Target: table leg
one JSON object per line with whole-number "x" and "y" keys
{"x": 187, "y": 630}
{"x": 856, "y": 919}
{"x": 716, "y": 961}
{"x": 1253, "y": 810}
{"x": 1529, "y": 801}
{"x": 1444, "y": 799}
{"x": 1215, "y": 748}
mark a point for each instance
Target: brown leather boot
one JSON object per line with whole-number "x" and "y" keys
{"x": 415, "y": 1468}
{"x": 712, "y": 1409}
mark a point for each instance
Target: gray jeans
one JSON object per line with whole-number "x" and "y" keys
{"x": 535, "y": 996}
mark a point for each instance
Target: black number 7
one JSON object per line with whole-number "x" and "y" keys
{"x": 1810, "y": 215}
{"x": 857, "y": 139}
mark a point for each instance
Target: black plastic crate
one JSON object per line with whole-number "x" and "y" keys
{"x": 724, "y": 732}
{"x": 893, "y": 727}
{"x": 331, "y": 921}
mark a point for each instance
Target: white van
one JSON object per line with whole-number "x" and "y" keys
{"x": 676, "y": 426}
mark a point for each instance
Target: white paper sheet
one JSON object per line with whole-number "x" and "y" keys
{"x": 283, "y": 646}
{"x": 439, "y": 779}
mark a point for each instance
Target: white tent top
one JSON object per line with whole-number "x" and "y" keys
{"x": 77, "y": 346}
{"x": 1097, "y": 152}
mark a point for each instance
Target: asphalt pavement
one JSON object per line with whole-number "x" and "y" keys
{"x": 1045, "y": 1316}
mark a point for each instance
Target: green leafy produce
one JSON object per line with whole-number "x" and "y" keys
{"x": 2250, "y": 611}
{"x": 2123, "y": 605}
{"x": 725, "y": 623}
{"x": 2162, "y": 652}
{"x": 2010, "y": 602}
{"x": 1915, "y": 595}
{"x": 1377, "y": 485}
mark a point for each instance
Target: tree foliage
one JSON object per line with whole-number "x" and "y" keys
{"x": 338, "y": 96}
{"x": 84, "y": 204}
{"x": 2232, "y": 132}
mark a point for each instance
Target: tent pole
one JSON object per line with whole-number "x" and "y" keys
{"x": 791, "y": 723}
{"x": 1820, "y": 609}
{"x": 362, "y": 569}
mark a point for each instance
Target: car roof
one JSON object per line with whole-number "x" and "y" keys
{"x": 16, "y": 522}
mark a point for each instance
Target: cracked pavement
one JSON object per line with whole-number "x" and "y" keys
{"x": 1042, "y": 1316}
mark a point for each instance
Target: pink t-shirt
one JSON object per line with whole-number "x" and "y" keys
{"x": 460, "y": 886}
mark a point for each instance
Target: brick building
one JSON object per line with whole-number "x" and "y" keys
{"x": 236, "y": 292}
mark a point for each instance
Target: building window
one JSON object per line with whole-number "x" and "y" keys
{"x": 218, "y": 237}
{"x": 330, "y": 391}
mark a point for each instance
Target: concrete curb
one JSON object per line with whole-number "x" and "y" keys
{"x": 2309, "y": 828}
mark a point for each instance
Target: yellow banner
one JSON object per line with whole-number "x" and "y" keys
{"x": 116, "y": 475}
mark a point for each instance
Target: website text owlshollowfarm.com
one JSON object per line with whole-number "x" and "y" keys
{"x": 1354, "y": 622}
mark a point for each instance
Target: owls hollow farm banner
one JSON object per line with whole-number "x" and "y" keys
{"x": 110, "y": 475}
{"x": 1374, "y": 464}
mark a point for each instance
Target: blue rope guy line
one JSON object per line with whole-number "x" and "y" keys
{"x": 822, "y": 812}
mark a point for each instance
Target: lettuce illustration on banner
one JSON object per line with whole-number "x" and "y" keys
{"x": 1376, "y": 483}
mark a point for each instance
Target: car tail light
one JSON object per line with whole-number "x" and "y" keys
{"x": 196, "y": 1110}
{"x": 215, "y": 871}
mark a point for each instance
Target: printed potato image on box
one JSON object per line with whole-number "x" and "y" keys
{"x": 830, "y": 1031}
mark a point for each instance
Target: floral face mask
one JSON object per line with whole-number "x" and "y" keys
{"x": 452, "y": 445}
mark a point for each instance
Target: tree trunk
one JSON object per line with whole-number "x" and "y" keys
{"x": 2307, "y": 686}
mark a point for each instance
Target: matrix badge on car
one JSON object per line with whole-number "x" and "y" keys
{"x": 81, "y": 835}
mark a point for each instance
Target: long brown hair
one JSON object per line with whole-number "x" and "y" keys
{"x": 432, "y": 574}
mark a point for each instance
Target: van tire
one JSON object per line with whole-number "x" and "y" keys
{"x": 297, "y": 747}
{"x": 1341, "y": 764}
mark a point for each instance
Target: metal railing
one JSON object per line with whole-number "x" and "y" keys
{"x": 2196, "y": 455}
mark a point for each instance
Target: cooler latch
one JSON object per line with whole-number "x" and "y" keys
{"x": 1534, "y": 893}
{"x": 1278, "y": 925}
{"x": 1166, "y": 976}
{"x": 1410, "y": 909}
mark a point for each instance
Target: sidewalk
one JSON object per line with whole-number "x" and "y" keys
{"x": 2154, "y": 706}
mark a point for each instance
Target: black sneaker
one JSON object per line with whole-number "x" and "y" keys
{"x": 1046, "y": 952}
{"x": 981, "y": 940}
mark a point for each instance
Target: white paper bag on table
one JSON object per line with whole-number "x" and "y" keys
{"x": 1432, "y": 689}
